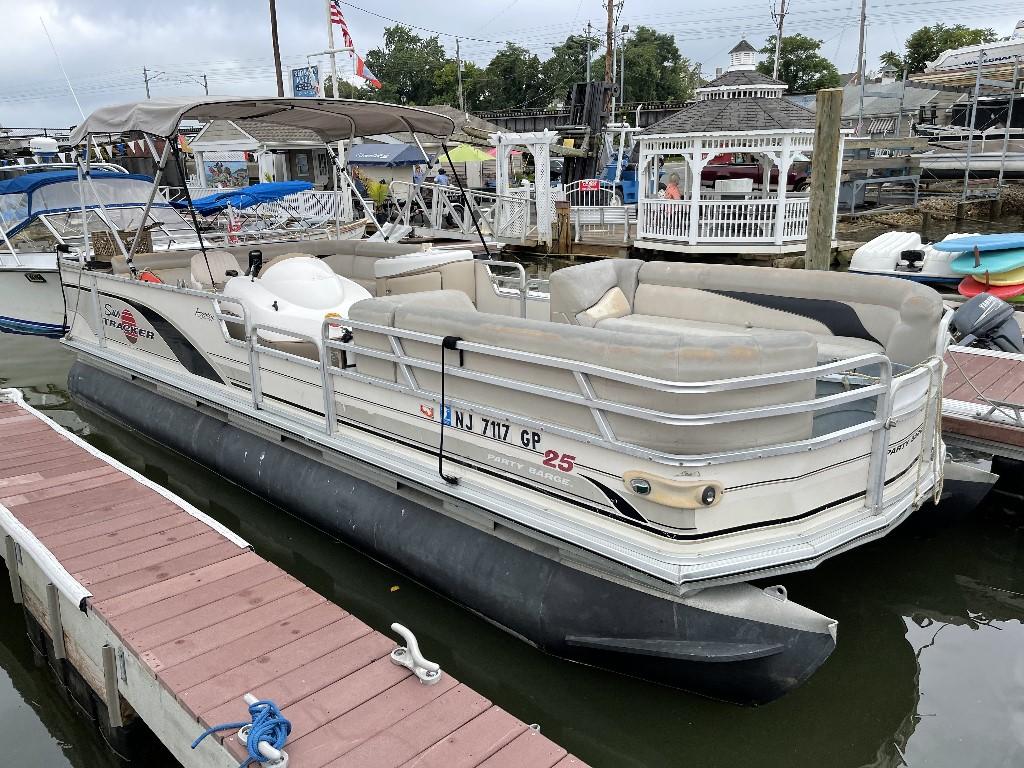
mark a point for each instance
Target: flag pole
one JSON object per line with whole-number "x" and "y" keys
{"x": 330, "y": 47}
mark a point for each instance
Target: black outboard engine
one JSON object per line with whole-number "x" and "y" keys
{"x": 255, "y": 263}
{"x": 988, "y": 323}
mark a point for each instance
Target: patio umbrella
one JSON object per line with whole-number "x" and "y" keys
{"x": 464, "y": 153}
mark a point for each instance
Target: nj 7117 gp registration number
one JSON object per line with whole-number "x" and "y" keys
{"x": 491, "y": 428}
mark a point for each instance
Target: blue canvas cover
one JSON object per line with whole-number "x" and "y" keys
{"x": 30, "y": 182}
{"x": 246, "y": 197}
{"x": 386, "y": 155}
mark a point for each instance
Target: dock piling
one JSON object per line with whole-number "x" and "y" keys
{"x": 111, "y": 694}
{"x": 12, "y": 570}
{"x": 824, "y": 179}
{"x": 56, "y": 626}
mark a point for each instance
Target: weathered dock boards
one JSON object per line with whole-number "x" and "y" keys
{"x": 196, "y": 619}
{"x": 975, "y": 379}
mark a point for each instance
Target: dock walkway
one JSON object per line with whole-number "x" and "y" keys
{"x": 975, "y": 380}
{"x": 157, "y": 605}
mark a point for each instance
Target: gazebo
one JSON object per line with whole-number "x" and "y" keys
{"x": 729, "y": 151}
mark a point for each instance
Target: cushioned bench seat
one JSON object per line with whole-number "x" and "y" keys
{"x": 846, "y": 314}
{"x": 668, "y": 357}
{"x": 829, "y": 347}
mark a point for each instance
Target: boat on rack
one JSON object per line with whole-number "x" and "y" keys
{"x": 601, "y": 471}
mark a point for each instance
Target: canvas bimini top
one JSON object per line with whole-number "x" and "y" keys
{"x": 330, "y": 119}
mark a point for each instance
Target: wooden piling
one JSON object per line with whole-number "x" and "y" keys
{"x": 824, "y": 178}
{"x": 12, "y": 569}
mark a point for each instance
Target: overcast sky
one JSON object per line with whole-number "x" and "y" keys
{"x": 104, "y": 44}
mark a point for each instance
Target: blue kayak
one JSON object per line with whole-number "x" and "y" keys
{"x": 1000, "y": 242}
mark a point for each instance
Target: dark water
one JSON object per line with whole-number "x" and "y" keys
{"x": 930, "y": 660}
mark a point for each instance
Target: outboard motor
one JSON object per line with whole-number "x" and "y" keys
{"x": 255, "y": 263}
{"x": 988, "y": 323}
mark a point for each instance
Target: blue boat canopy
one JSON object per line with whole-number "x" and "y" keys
{"x": 246, "y": 197}
{"x": 30, "y": 182}
{"x": 386, "y": 155}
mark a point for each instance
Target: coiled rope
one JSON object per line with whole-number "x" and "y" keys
{"x": 268, "y": 724}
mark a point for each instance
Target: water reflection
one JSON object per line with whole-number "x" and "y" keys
{"x": 929, "y": 668}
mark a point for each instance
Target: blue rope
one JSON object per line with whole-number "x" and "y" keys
{"x": 268, "y": 724}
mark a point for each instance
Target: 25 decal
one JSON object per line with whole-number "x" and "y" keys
{"x": 563, "y": 462}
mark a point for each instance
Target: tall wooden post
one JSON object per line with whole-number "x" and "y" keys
{"x": 824, "y": 178}
{"x": 277, "y": 48}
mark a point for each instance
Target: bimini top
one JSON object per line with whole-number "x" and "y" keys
{"x": 330, "y": 119}
{"x": 30, "y": 182}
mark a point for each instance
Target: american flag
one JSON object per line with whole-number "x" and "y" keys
{"x": 337, "y": 17}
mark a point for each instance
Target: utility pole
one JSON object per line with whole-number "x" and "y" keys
{"x": 780, "y": 17}
{"x": 609, "y": 62}
{"x": 206, "y": 84}
{"x": 622, "y": 66}
{"x": 145, "y": 79}
{"x": 277, "y": 48}
{"x": 589, "y": 28}
{"x": 458, "y": 71}
{"x": 861, "y": 63}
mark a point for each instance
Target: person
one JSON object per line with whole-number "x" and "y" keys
{"x": 417, "y": 175}
{"x": 672, "y": 188}
{"x": 441, "y": 179}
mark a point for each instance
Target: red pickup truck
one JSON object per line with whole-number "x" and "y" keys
{"x": 742, "y": 166}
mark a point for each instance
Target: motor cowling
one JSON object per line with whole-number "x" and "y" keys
{"x": 988, "y": 323}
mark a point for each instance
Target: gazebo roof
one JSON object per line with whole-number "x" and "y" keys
{"x": 743, "y": 77}
{"x": 745, "y": 114}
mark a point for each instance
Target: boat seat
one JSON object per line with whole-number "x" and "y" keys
{"x": 829, "y": 347}
{"x": 845, "y": 313}
{"x": 211, "y": 270}
{"x": 672, "y": 357}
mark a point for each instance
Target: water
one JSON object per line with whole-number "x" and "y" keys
{"x": 930, "y": 659}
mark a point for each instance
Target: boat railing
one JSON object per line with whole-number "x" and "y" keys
{"x": 879, "y": 387}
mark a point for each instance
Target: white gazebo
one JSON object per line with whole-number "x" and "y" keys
{"x": 739, "y": 207}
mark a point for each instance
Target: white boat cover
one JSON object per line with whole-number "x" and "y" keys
{"x": 414, "y": 262}
{"x": 331, "y": 119}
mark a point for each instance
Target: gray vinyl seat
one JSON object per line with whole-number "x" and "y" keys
{"x": 846, "y": 315}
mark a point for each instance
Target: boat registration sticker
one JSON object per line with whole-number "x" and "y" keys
{"x": 492, "y": 429}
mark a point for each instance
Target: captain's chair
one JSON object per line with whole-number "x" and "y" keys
{"x": 211, "y": 271}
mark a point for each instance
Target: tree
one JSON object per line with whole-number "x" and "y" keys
{"x": 446, "y": 84}
{"x": 927, "y": 43}
{"x": 568, "y": 65}
{"x": 513, "y": 79}
{"x": 407, "y": 66}
{"x": 801, "y": 66}
{"x": 655, "y": 70}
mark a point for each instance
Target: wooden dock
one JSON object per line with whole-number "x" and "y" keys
{"x": 975, "y": 381}
{"x": 170, "y": 618}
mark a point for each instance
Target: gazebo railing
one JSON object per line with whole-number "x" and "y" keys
{"x": 725, "y": 221}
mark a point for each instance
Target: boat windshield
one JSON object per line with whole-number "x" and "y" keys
{"x": 43, "y": 232}
{"x": 17, "y": 206}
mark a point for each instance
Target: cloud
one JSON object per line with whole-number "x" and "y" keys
{"x": 104, "y": 44}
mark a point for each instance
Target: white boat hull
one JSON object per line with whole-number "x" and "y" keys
{"x": 31, "y": 302}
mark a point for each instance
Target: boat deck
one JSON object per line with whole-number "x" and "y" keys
{"x": 201, "y": 620}
{"x": 975, "y": 380}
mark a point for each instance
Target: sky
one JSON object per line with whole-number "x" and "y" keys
{"x": 105, "y": 44}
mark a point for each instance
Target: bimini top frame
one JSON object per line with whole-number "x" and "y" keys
{"x": 330, "y": 119}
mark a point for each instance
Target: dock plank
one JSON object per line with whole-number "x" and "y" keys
{"x": 251, "y": 645}
{"x": 469, "y": 746}
{"x": 311, "y": 653}
{"x": 419, "y": 731}
{"x": 212, "y": 621}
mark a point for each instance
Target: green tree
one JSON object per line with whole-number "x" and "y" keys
{"x": 446, "y": 84}
{"x": 801, "y": 66}
{"x": 513, "y": 79}
{"x": 568, "y": 65}
{"x": 407, "y": 66}
{"x": 655, "y": 70}
{"x": 927, "y": 43}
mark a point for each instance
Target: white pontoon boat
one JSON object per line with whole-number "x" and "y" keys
{"x": 601, "y": 472}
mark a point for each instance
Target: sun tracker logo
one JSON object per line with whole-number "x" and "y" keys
{"x": 125, "y": 322}
{"x": 131, "y": 330}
